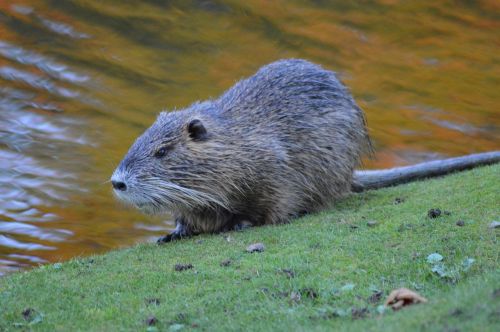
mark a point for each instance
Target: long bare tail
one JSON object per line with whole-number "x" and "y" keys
{"x": 373, "y": 179}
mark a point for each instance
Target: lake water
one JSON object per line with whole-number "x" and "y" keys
{"x": 80, "y": 80}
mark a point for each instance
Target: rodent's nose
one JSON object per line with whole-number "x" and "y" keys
{"x": 118, "y": 185}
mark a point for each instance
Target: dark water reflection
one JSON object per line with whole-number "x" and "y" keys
{"x": 79, "y": 80}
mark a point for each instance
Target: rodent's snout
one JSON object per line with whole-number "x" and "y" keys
{"x": 119, "y": 185}
{"x": 118, "y": 181}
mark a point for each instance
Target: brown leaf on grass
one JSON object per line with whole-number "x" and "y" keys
{"x": 403, "y": 297}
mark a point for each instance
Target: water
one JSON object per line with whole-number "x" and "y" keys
{"x": 80, "y": 80}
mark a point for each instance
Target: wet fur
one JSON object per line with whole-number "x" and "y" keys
{"x": 276, "y": 145}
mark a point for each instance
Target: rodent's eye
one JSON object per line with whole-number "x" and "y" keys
{"x": 161, "y": 152}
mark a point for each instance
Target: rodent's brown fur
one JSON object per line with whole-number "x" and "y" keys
{"x": 276, "y": 145}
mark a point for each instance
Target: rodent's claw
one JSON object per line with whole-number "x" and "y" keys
{"x": 180, "y": 231}
{"x": 168, "y": 238}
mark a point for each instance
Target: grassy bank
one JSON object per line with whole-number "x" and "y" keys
{"x": 322, "y": 272}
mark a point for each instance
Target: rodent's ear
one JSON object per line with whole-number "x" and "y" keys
{"x": 196, "y": 130}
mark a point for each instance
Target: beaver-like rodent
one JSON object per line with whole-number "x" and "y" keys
{"x": 279, "y": 144}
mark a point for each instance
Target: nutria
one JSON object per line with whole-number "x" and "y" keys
{"x": 279, "y": 144}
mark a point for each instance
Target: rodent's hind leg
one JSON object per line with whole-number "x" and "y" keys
{"x": 181, "y": 231}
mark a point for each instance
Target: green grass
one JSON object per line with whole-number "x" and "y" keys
{"x": 338, "y": 261}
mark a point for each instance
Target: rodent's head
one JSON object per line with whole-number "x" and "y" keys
{"x": 168, "y": 168}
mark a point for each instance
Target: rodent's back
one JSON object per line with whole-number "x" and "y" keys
{"x": 309, "y": 114}
{"x": 285, "y": 91}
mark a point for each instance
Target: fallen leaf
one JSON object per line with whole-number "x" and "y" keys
{"x": 403, "y": 297}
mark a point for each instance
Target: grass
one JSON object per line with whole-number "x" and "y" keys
{"x": 335, "y": 262}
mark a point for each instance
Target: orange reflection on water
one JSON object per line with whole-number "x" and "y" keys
{"x": 82, "y": 79}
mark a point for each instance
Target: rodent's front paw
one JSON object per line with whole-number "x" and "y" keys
{"x": 168, "y": 238}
